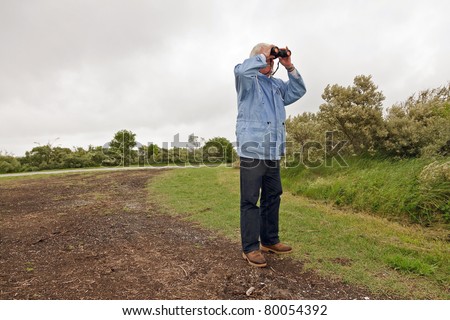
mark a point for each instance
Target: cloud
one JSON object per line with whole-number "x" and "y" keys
{"x": 82, "y": 70}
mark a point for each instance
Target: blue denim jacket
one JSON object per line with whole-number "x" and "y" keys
{"x": 260, "y": 128}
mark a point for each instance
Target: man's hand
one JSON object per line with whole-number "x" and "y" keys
{"x": 286, "y": 62}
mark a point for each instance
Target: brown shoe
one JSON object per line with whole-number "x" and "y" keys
{"x": 255, "y": 258}
{"x": 279, "y": 248}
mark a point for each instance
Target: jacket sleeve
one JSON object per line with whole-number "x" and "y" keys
{"x": 248, "y": 69}
{"x": 294, "y": 88}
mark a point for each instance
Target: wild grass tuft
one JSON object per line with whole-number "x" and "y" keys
{"x": 389, "y": 188}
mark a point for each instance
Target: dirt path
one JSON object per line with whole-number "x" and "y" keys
{"x": 97, "y": 236}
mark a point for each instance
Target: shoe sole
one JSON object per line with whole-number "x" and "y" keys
{"x": 259, "y": 265}
{"x": 267, "y": 250}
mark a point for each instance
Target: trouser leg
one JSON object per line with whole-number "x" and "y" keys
{"x": 271, "y": 191}
{"x": 251, "y": 173}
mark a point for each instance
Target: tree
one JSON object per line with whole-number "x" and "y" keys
{"x": 39, "y": 157}
{"x": 420, "y": 126}
{"x": 153, "y": 153}
{"x": 218, "y": 149}
{"x": 8, "y": 163}
{"x": 303, "y": 128}
{"x": 121, "y": 148}
{"x": 96, "y": 155}
{"x": 304, "y": 134}
{"x": 355, "y": 111}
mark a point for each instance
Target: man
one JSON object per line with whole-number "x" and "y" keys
{"x": 261, "y": 136}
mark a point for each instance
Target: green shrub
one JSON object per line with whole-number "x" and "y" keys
{"x": 420, "y": 126}
{"x": 9, "y": 164}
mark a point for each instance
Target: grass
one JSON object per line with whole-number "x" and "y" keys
{"x": 400, "y": 260}
{"x": 198, "y": 195}
{"x": 385, "y": 187}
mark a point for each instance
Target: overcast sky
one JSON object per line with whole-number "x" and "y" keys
{"x": 74, "y": 72}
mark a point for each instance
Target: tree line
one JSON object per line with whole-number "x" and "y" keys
{"x": 417, "y": 127}
{"x": 122, "y": 150}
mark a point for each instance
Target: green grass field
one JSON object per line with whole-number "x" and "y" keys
{"x": 399, "y": 259}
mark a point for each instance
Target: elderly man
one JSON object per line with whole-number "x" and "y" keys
{"x": 260, "y": 131}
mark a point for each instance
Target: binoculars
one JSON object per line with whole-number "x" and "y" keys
{"x": 277, "y": 52}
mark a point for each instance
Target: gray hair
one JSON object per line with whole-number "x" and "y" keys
{"x": 259, "y": 48}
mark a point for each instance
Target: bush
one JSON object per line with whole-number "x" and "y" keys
{"x": 356, "y": 112}
{"x": 303, "y": 134}
{"x": 9, "y": 164}
{"x": 218, "y": 150}
{"x": 420, "y": 126}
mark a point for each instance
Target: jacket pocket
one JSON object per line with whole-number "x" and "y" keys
{"x": 251, "y": 137}
{"x": 252, "y": 131}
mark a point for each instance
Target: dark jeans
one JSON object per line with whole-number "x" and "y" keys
{"x": 260, "y": 179}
